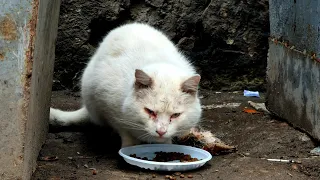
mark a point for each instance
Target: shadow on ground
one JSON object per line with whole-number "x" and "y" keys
{"x": 256, "y": 136}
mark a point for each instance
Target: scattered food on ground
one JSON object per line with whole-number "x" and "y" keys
{"x": 190, "y": 176}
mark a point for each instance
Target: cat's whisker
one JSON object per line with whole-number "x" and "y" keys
{"x": 131, "y": 123}
{"x": 133, "y": 126}
{"x": 149, "y": 139}
{"x": 143, "y": 136}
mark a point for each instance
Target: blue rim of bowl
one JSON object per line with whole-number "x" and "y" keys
{"x": 208, "y": 158}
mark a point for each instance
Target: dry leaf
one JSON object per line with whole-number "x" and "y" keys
{"x": 251, "y": 111}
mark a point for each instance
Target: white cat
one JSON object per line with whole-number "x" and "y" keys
{"x": 138, "y": 83}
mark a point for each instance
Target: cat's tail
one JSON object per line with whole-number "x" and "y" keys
{"x": 69, "y": 118}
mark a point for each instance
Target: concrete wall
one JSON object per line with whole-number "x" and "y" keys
{"x": 28, "y": 31}
{"x": 227, "y": 40}
{"x": 293, "y": 72}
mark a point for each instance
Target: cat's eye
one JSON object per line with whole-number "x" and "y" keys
{"x": 175, "y": 115}
{"x": 150, "y": 112}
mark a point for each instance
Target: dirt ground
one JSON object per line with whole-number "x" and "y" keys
{"x": 256, "y": 137}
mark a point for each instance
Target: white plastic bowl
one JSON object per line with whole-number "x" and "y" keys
{"x": 148, "y": 150}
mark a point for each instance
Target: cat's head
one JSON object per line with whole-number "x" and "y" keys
{"x": 164, "y": 103}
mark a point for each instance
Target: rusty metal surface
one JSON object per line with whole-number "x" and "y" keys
{"x": 19, "y": 25}
{"x": 14, "y": 40}
{"x": 293, "y": 72}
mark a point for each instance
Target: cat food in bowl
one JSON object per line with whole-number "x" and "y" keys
{"x": 168, "y": 156}
{"x": 165, "y": 157}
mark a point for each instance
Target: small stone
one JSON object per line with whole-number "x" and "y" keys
{"x": 304, "y": 138}
{"x": 86, "y": 166}
{"x": 154, "y": 176}
{"x": 190, "y": 176}
{"x": 181, "y": 176}
{"x": 167, "y": 176}
{"x": 177, "y": 173}
{"x": 229, "y": 41}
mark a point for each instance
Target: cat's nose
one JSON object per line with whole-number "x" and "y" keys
{"x": 160, "y": 132}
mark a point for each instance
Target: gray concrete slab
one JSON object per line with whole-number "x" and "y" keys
{"x": 293, "y": 72}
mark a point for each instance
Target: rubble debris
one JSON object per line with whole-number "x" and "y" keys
{"x": 224, "y": 105}
{"x": 205, "y": 140}
{"x": 48, "y": 158}
{"x": 315, "y": 151}
{"x": 259, "y": 107}
{"x": 248, "y": 93}
{"x": 283, "y": 160}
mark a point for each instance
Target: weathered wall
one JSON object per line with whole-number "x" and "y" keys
{"x": 293, "y": 71}
{"x": 226, "y": 39}
{"x": 27, "y": 35}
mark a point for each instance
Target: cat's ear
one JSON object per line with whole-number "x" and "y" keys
{"x": 142, "y": 80}
{"x": 190, "y": 85}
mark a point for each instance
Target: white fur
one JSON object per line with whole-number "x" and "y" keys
{"x": 108, "y": 92}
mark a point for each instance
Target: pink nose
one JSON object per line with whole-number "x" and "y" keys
{"x": 161, "y": 133}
